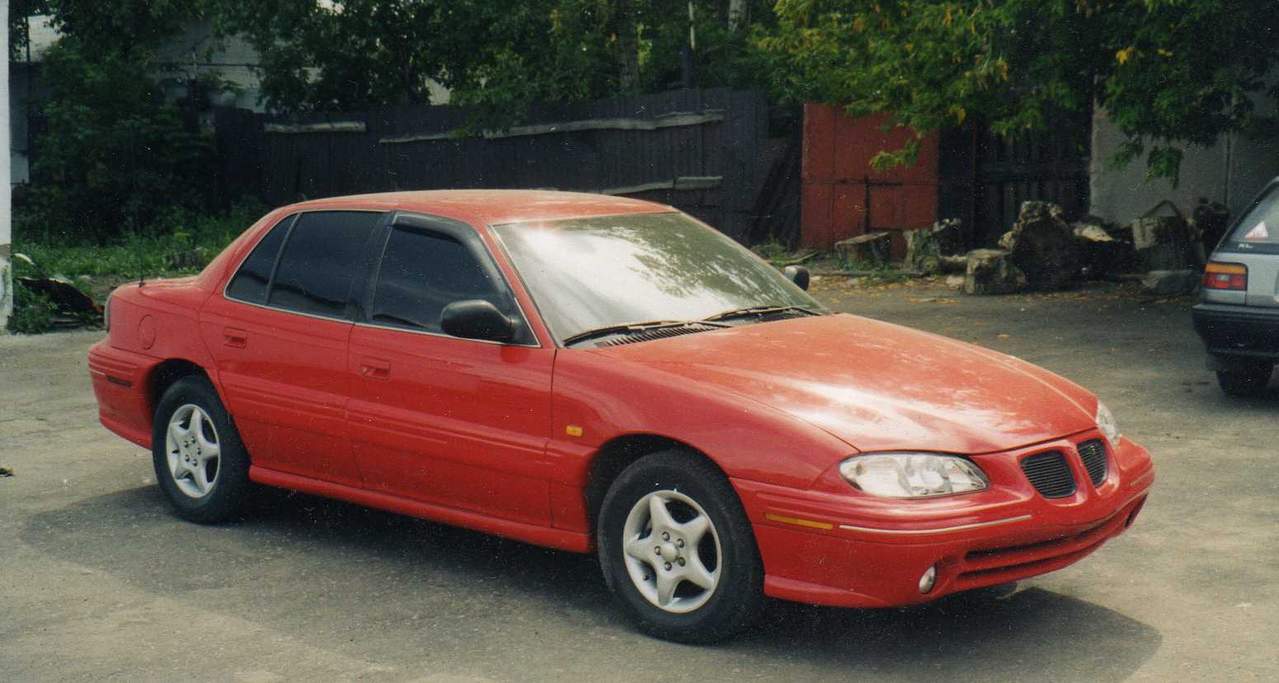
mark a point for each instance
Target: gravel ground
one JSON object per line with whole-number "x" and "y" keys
{"x": 99, "y": 581}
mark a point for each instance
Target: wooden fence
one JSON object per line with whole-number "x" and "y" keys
{"x": 704, "y": 151}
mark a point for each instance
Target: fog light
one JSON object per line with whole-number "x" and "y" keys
{"x": 928, "y": 579}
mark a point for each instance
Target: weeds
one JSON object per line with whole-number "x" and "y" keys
{"x": 178, "y": 243}
{"x": 32, "y": 313}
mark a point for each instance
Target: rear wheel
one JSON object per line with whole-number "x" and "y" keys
{"x": 199, "y": 461}
{"x": 1245, "y": 379}
{"x": 678, "y": 551}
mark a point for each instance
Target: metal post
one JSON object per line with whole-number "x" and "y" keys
{"x": 6, "y": 208}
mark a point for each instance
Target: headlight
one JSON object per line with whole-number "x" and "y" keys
{"x": 1107, "y": 424}
{"x": 912, "y": 475}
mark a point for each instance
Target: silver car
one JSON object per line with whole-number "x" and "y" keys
{"x": 1238, "y": 317}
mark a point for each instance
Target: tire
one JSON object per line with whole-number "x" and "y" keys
{"x": 178, "y": 456}
{"x": 712, "y": 605}
{"x": 1245, "y": 380}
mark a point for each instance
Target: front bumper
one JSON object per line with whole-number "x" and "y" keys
{"x": 850, "y": 550}
{"x": 1238, "y": 331}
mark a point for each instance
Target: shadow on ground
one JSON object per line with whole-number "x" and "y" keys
{"x": 317, "y": 570}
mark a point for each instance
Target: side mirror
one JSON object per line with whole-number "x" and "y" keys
{"x": 798, "y": 275}
{"x": 476, "y": 319}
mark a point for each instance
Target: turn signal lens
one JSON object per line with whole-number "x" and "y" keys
{"x": 1226, "y": 276}
{"x": 912, "y": 475}
{"x": 928, "y": 580}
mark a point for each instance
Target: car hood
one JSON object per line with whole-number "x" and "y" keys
{"x": 875, "y": 385}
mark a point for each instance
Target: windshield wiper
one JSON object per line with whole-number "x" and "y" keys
{"x": 626, "y": 328}
{"x": 759, "y": 311}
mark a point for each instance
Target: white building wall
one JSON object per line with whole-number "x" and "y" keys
{"x": 6, "y": 208}
{"x": 1231, "y": 171}
{"x": 196, "y": 51}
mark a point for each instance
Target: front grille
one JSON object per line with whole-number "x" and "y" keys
{"x": 1050, "y": 474}
{"x": 1093, "y": 453}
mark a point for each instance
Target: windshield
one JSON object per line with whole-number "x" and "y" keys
{"x": 1261, "y": 224}
{"x": 589, "y": 273}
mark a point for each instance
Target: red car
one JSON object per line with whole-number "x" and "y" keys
{"x": 596, "y": 373}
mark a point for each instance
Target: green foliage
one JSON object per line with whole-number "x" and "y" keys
{"x": 178, "y": 242}
{"x": 32, "y": 313}
{"x": 1167, "y": 72}
{"x": 497, "y": 55}
{"x": 114, "y": 152}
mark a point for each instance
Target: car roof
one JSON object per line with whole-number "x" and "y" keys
{"x": 490, "y": 207}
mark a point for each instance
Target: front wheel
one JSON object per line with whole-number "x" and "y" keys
{"x": 1245, "y": 380}
{"x": 677, "y": 549}
{"x": 199, "y": 461}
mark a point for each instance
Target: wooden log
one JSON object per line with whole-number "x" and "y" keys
{"x": 926, "y": 247}
{"x": 874, "y": 247}
{"x": 953, "y": 264}
{"x": 992, "y": 271}
{"x": 1042, "y": 245}
{"x": 1100, "y": 252}
{"x": 1163, "y": 243}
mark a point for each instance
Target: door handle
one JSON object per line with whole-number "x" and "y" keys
{"x": 235, "y": 337}
{"x": 375, "y": 368}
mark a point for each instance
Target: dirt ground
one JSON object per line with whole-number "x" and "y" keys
{"x": 99, "y": 581}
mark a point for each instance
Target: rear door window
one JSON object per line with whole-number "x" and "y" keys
{"x": 250, "y": 282}
{"x": 323, "y": 255}
{"x": 421, "y": 273}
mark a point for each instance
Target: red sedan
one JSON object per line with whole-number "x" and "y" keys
{"x": 595, "y": 373}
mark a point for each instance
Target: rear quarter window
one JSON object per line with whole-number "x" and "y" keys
{"x": 1260, "y": 225}
{"x": 251, "y": 281}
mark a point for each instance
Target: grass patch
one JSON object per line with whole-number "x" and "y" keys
{"x": 179, "y": 243}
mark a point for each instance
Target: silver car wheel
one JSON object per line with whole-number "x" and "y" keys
{"x": 672, "y": 551}
{"x": 191, "y": 444}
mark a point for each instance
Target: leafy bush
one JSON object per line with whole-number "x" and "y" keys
{"x": 113, "y": 152}
{"x": 179, "y": 242}
{"x": 32, "y": 313}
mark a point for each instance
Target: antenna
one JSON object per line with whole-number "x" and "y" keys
{"x": 141, "y": 264}
{"x": 132, "y": 202}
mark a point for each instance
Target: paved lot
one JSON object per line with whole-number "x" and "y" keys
{"x": 99, "y": 581}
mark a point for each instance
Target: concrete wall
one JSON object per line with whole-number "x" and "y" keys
{"x": 1231, "y": 171}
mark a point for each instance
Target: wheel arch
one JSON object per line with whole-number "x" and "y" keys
{"x": 616, "y": 454}
{"x": 166, "y": 373}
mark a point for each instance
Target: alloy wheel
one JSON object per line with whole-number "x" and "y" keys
{"x": 191, "y": 444}
{"x": 672, "y": 551}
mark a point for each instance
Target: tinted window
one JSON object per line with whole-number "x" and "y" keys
{"x": 421, "y": 273}
{"x": 323, "y": 255}
{"x": 249, "y": 283}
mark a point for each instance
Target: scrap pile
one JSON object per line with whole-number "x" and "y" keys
{"x": 1045, "y": 252}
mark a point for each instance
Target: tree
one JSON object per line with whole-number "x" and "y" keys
{"x": 1167, "y": 72}
{"x": 496, "y": 55}
{"x": 114, "y": 152}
